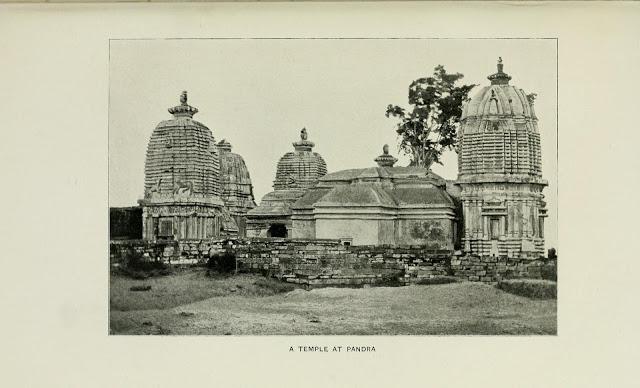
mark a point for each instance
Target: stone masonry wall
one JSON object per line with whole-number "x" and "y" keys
{"x": 317, "y": 263}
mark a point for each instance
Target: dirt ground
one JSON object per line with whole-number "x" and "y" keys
{"x": 192, "y": 303}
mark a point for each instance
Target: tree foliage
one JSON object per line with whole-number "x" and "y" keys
{"x": 430, "y": 127}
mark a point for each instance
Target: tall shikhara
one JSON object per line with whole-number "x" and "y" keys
{"x": 499, "y": 172}
{"x": 182, "y": 179}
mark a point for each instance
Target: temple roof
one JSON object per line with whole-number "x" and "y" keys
{"x": 236, "y": 187}
{"x": 499, "y": 99}
{"x": 276, "y": 203}
{"x": 384, "y": 173}
{"x": 390, "y": 187}
{"x": 182, "y": 160}
{"x": 363, "y": 194}
{"x": 301, "y": 168}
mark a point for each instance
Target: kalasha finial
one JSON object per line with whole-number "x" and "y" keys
{"x": 385, "y": 160}
{"x": 184, "y": 109}
{"x": 303, "y": 144}
{"x": 499, "y": 78}
{"x": 224, "y": 145}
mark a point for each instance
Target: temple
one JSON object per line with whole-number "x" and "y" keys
{"x": 197, "y": 189}
{"x": 383, "y": 205}
{"x": 296, "y": 172}
{"x": 182, "y": 181}
{"x": 499, "y": 172}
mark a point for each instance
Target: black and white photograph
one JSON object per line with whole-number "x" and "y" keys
{"x": 320, "y": 193}
{"x": 330, "y": 186}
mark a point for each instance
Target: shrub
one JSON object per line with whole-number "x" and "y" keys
{"x": 222, "y": 263}
{"x": 531, "y": 288}
{"x": 140, "y": 288}
{"x": 136, "y": 266}
{"x": 390, "y": 280}
{"x": 437, "y": 280}
{"x": 549, "y": 272}
{"x": 275, "y": 286}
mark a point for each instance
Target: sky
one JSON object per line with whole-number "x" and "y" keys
{"x": 259, "y": 93}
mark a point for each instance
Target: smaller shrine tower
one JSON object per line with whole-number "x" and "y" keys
{"x": 235, "y": 185}
{"x": 296, "y": 172}
{"x": 499, "y": 172}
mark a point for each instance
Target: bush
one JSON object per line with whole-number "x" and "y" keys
{"x": 549, "y": 272}
{"x": 275, "y": 286}
{"x": 140, "y": 288}
{"x": 531, "y": 288}
{"x": 390, "y": 280}
{"x": 222, "y": 263}
{"x": 136, "y": 266}
{"x": 437, "y": 280}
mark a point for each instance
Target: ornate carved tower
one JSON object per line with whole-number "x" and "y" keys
{"x": 182, "y": 180}
{"x": 499, "y": 172}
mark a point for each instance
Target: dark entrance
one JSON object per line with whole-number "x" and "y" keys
{"x": 277, "y": 230}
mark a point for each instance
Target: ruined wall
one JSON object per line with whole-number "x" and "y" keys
{"x": 318, "y": 263}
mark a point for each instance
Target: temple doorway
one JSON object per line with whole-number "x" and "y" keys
{"x": 277, "y": 230}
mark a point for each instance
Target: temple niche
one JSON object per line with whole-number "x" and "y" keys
{"x": 182, "y": 181}
{"x": 499, "y": 172}
{"x": 235, "y": 185}
{"x": 296, "y": 172}
{"x": 383, "y": 205}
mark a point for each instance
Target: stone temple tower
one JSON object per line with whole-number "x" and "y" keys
{"x": 182, "y": 180}
{"x": 499, "y": 172}
{"x": 296, "y": 172}
{"x": 235, "y": 185}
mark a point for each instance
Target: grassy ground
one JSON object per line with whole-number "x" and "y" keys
{"x": 192, "y": 303}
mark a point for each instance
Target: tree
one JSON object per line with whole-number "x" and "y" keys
{"x": 430, "y": 127}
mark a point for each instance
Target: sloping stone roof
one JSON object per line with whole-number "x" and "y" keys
{"x": 310, "y": 198}
{"x": 421, "y": 196}
{"x": 276, "y": 203}
{"x": 363, "y": 194}
{"x": 390, "y": 187}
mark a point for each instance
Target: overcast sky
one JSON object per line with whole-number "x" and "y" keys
{"x": 259, "y": 93}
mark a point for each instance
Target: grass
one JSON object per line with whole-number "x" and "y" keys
{"x": 184, "y": 287}
{"x": 190, "y": 302}
{"x": 531, "y": 288}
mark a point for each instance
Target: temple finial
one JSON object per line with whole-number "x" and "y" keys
{"x": 303, "y": 144}
{"x": 184, "y": 109}
{"x": 500, "y": 78}
{"x": 385, "y": 160}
